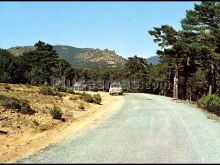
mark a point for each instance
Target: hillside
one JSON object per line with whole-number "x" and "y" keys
{"x": 88, "y": 57}
{"x": 84, "y": 57}
{"x": 154, "y": 60}
{"x": 19, "y": 50}
{"x": 80, "y": 57}
{"x": 23, "y": 134}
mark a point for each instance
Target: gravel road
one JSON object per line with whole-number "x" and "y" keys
{"x": 146, "y": 129}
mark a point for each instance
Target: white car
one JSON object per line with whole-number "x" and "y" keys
{"x": 115, "y": 88}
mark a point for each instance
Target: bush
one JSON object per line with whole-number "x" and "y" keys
{"x": 87, "y": 97}
{"x": 7, "y": 87}
{"x": 211, "y": 103}
{"x": 81, "y": 106}
{"x": 56, "y": 113}
{"x": 25, "y": 108}
{"x": 71, "y": 91}
{"x": 13, "y": 103}
{"x": 74, "y": 98}
{"x": 58, "y": 87}
{"x": 46, "y": 90}
{"x": 97, "y": 98}
{"x": 10, "y": 102}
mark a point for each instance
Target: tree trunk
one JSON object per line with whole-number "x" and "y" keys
{"x": 186, "y": 71}
{"x": 175, "y": 82}
{"x": 211, "y": 80}
{"x": 185, "y": 87}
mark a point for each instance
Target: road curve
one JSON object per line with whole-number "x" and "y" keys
{"x": 146, "y": 129}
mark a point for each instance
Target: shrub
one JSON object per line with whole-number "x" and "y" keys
{"x": 211, "y": 103}
{"x": 36, "y": 123}
{"x": 7, "y": 87}
{"x": 97, "y": 98}
{"x": 81, "y": 106}
{"x": 71, "y": 91}
{"x": 46, "y": 90}
{"x": 74, "y": 98}
{"x": 13, "y": 103}
{"x": 58, "y": 87}
{"x": 26, "y": 109}
{"x": 45, "y": 127}
{"x": 56, "y": 113}
{"x": 10, "y": 102}
{"x": 78, "y": 93}
{"x": 83, "y": 93}
{"x": 58, "y": 94}
{"x": 87, "y": 97}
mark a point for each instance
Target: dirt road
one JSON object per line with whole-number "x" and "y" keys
{"x": 144, "y": 129}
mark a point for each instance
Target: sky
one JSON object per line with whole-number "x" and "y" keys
{"x": 119, "y": 26}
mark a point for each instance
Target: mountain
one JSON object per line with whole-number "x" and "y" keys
{"x": 19, "y": 50}
{"x": 80, "y": 57}
{"x": 154, "y": 60}
{"x": 85, "y": 57}
{"x": 88, "y": 57}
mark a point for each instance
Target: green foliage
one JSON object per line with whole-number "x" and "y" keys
{"x": 211, "y": 103}
{"x": 62, "y": 68}
{"x": 137, "y": 68}
{"x": 25, "y": 108}
{"x": 192, "y": 49}
{"x": 10, "y": 102}
{"x": 45, "y": 90}
{"x": 97, "y": 98}
{"x": 71, "y": 91}
{"x": 87, "y": 97}
{"x": 35, "y": 76}
{"x": 56, "y": 113}
{"x": 7, "y": 65}
{"x": 13, "y": 103}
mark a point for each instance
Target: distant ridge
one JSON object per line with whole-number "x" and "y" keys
{"x": 85, "y": 57}
{"x": 154, "y": 60}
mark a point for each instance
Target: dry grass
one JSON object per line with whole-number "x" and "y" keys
{"x": 27, "y": 134}
{"x": 17, "y": 125}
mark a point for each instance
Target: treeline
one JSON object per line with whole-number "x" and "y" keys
{"x": 33, "y": 67}
{"x": 37, "y": 66}
{"x": 192, "y": 55}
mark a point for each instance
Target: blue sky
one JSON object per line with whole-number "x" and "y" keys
{"x": 119, "y": 26}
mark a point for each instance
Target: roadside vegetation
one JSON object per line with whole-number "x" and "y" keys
{"x": 26, "y": 107}
{"x": 210, "y": 103}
